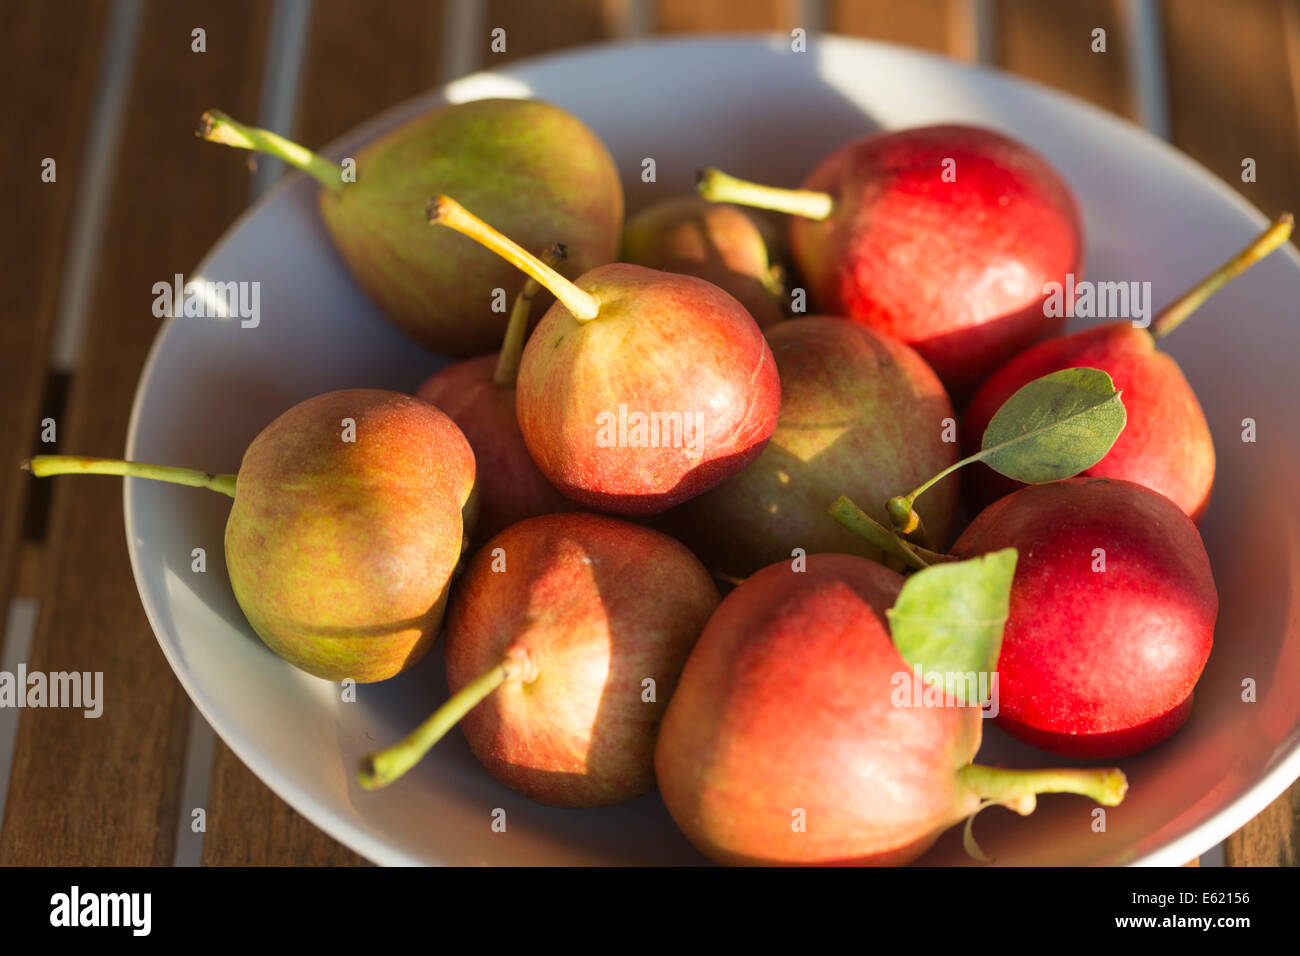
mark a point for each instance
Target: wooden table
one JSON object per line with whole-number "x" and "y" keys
{"x": 110, "y": 90}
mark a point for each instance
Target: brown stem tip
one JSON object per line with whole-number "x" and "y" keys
{"x": 437, "y": 209}
{"x": 207, "y": 122}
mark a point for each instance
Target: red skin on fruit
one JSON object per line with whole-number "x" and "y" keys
{"x": 787, "y": 704}
{"x": 510, "y": 487}
{"x": 1098, "y": 664}
{"x": 954, "y": 269}
{"x": 340, "y": 553}
{"x": 1165, "y": 445}
{"x": 597, "y": 605}
{"x": 664, "y": 345}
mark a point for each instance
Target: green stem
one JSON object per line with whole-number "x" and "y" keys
{"x": 383, "y": 767}
{"x": 716, "y": 186}
{"x": 42, "y": 466}
{"x": 1016, "y": 789}
{"x": 900, "y": 507}
{"x": 862, "y": 524}
{"x": 1190, "y": 301}
{"x": 445, "y": 211}
{"x": 216, "y": 127}
{"x": 512, "y": 347}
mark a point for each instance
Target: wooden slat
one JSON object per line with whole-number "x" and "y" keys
{"x": 1231, "y": 93}
{"x": 533, "y": 28}
{"x": 677, "y": 16}
{"x": 1272, "y": 838}
{"x": 52, "y": 56}
{"x": 248, "y": 825}
{"x": 929, "y": 24}
{"x": 27, "y": 577}
{"x": 363, "y": 57}
{"x": 1052, "y": 43}
{"x": 98, "y": 792}
{"x": 349, "y": 75}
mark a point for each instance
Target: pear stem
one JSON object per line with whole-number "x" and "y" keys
{"x": 716, "y": 186}
{"x": 1016, "y": 789}
{"x": 42, "y": 466}
{"x": 900, "y": 507}
{"x": 216, "y": 127}
{"x": 445, "y": 211}
{"x": 512, "y": 346}
{"x": 1268, "y": 240}
{"x": 862, "y": 524}
{"x": 381, "y": 768}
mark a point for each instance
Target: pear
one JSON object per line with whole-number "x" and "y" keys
{"x": 1166, "y": 444}
{"x": 941, "y": 236}
{"x": 861, "y": 414}
{"x": 1112, "y": 614}
{"x": 727, "y": 245}
{"x": 638, "y": 389}
{"x": 533, "y": 168}
{"x": 788, "y": 713}
{"x": 565, "y": 640}
{"x": 350, "y": 515}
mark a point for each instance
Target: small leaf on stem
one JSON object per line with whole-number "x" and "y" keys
{"x": 1054, "y": 427}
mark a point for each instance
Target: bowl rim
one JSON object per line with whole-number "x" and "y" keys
{"x": 1191, "y": 843}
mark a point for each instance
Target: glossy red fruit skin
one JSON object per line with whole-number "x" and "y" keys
{"x": 955, "y": 269}
{"x": 510, "y": 486}
{"x": 1095, "y": 664}
{"x": 662, "y": 344}
{"x": 787, "y": 702}
{"x": 1166, "y": 443}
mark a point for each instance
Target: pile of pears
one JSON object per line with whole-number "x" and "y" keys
{"x": 678, "y": 532}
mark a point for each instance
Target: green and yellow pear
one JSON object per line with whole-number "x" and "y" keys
{"x": 533, "y": 169}
{"x": 859, "y": 410}
{"x": 350, "y": 515}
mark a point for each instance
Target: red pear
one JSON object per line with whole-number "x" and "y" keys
{"x": 942, "y": 236}
{"x": 1112, "y": 614}
{"x": 786, "y": 742}
{"x": 1166, "y": 444}
{"x": 638, "y": 389}
{"x": 565, "y": 640}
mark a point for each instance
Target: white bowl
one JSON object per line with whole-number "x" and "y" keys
{"x": 755, "y": 108}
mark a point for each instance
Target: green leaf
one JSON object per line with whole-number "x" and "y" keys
{"x": 948, "y": 620}
{"x": 1054, "y": 427}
